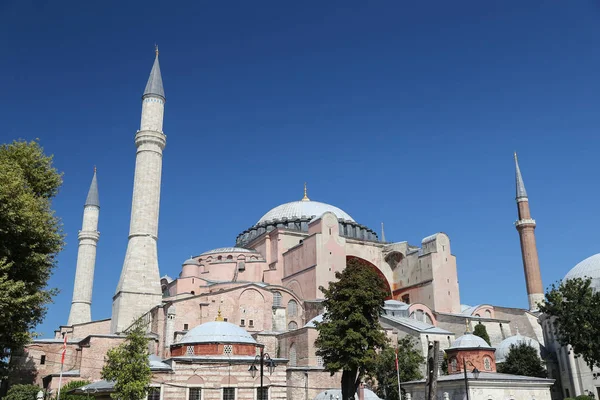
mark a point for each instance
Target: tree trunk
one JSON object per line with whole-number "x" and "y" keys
{"x": 349, "y": 384}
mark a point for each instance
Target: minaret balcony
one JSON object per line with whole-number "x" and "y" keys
{"x": 525, "y": 222}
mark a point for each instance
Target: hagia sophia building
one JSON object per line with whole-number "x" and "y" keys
{"x": 230, "y": 304}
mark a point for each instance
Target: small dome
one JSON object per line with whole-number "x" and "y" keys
{"x": 504, "y": 346}
{"x": 469, "y": 341}
{"x": 228, "y": 250}
{"x": 306, "y": 208}
{"x": 191, "y": 261}
{"x": 311, "y": 323}
{"x": 217, "y": 332}
{"x": 588, "y": 268}
{"x": 337, "y": 394}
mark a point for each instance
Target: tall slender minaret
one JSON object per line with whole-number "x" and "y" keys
{"x": 526, "y": 227}
{"x": 86, "y": 258}
{"x": 139, "y": 286}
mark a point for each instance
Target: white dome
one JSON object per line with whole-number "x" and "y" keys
{"x": 217, "y": 332}
{"x": 469, "y": 341}
{"x": 504, "y": 346}
{"x": 306, "y": 208}
{"x": 228, "y": 250}
{"x": 337, "y": 394}
{"x": 588, "y": 268}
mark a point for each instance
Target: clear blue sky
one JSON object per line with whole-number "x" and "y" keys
{"x": 402, "y": 112}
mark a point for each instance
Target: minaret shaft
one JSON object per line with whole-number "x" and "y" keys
{"x": 86, "y": 259}
{"x": 526, "y": 228}
{"x": 139, "y": 286}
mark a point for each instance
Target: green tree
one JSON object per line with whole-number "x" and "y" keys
{"x": 128, "y": 365}
{"x": 30, "y": 239}
{"x": 574, "y": 307}
{"x": 64, "y": 392}
{"x": 22, "y": 392}
{"x": 522, "y": 359}
{"x": 384, "y": 376}
{"x": 481, "y": 331}
{"x": 350, "y": 335}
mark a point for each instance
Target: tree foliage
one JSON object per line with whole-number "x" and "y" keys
{"x": 30, "y": 239}
{"x": 350, "y": 335}
{"x": 22, "y": 392}
{"x": 481, "y": 331}
{"x": 128, "y": 366}
{"x": 575, "y": 310}
{"x": 64, "y": 391}
{"x": 384, "y": 377}
{"x": 522, "y": 359}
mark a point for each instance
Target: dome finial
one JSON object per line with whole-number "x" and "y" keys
{"x": 156, "y": 49}
{"x": 219, "y": 316}
{"x": 468, "y": 330}
{"x": 305, "y": 198}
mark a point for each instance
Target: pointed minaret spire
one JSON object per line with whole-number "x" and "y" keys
{"x": 155, "y": 84}
{"x": 86, "y": 258}
{"x": 526, "y": 227}
{"x": 382, "y": 233}
{"x": 521, "y": 192}
{"x": 92, "y": 197}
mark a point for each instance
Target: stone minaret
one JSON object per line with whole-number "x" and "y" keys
{"x": 526, "y": 227}
{"x": 86, "y": 258}
{"x": 139, "y": 286}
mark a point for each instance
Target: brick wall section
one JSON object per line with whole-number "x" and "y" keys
{"x": 210, "y": 349}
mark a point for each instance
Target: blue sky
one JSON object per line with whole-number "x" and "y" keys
{"x": 401, "y": 112}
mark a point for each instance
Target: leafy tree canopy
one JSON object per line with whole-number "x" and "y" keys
{"x": 522, "y": 359}
{"x": 575, "y": 310}
{"x": 384, "y": 376}
{"x": 64, "y": 395}
{"x": 481, "y": 331}
{"x": 350, "y": 335}
{"x": 128, "y": 366}
{"x": 30, "y": 239}
{"x": 22, "y": 392}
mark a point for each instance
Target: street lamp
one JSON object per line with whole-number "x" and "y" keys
{"x": 263, "y": 358}
{"x": 475, "y": 374}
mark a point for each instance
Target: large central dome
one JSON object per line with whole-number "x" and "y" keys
{"x": 302, "y": 208}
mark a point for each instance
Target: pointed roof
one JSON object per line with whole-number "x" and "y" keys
{"x": 92, "y": 197}
{"x": 521, "y": 192}
{"x": 155, "y": 85}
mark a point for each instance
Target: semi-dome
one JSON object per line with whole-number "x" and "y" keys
{"x": 588, "y": 268}
{"x": 191, "y": 261}
{"x": 217, "y": 332}
{"x": 469, "y": 341}
{"x": 228, "y": 250}
{"x": 302, "y": 208}
{"x": 504, "y": 346}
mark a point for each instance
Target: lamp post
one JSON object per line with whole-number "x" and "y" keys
{"x": 263, "y": 358}
{"x": 475, "y": 374}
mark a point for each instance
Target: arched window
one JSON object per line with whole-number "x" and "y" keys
{"x": 453, "y": 365}
{"x": 428, "y": 319}
{"x": 230, "y": 257}
{"x": 276, "y": 299}
{"x": 292, "y": 326}
{"x": 420, "y": 316}
{"x": 219, "y": 258}
{"x": 292, "y": 308}
{"x": 487, "y": 363}
{"x": 292, "y": 355}
{"x": 488, "y": 314}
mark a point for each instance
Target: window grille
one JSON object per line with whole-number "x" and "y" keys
{"x": 189, "y": 351}
{"x": 195, "y": 394}
{"x": 320, "y": 361}
{"x": 154, "y": 393}
{"x": 264, "y": 395}
{"x": 228, "y": 349}
{"x": 242, "y": 322}
{"x": 228, "y": 393}
{"x": 251, "y": 323}
{"x": 276, "y": 299}
{"x": 487, "y": 364}
{"x": 292, "y": 308}
{"x": 292, "y": 356}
